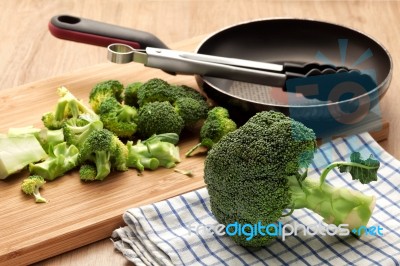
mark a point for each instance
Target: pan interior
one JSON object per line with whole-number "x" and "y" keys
{"x": 295, "y": 41}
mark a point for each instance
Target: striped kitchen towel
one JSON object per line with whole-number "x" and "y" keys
{"x": 183, "y": 231}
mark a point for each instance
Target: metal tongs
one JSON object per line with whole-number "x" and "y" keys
{"x": 180, "y": 62}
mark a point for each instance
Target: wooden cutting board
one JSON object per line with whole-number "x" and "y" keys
{"x": 81, "y": 213}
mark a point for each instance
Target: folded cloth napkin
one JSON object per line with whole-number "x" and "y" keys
{"x": 164, "y": 233}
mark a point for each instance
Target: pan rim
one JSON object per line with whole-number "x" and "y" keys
{"x": 376, "y": 91}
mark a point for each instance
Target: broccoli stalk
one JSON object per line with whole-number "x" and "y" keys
{"x": 62, "y": 158}
{"x": 18, "y": 152}
{"x": 256, "y": 173}
{"x": 158, "y": 150}
{"x": 217, "y": 125}
{"x": 68, "y": 106}
{"x": 45, "y": 136}
{"x": 338, "y": 205}
{"x": 31, "y": 186}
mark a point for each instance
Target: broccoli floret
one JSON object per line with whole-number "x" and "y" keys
{"x": 191, "y": 110}
{"x": 158, "y": 118}
{"x": 87, "y": 172}
{"x": 119, "y": 118}
{"x": 155, "y": 90}
{"x": 130, "y": 94}
{"x": 18, "y": 152}
{"x": 158, "y": 90}
{"x": 104, "y": 90}
{"x": 77, "y": 130}
{"x": 217, "y": 125}
{"x": 45, "y": 136}
{"x": 31, "y": 186}
{"x": 62, "y": 158}
{"x": 257, "y": 171}
{"x": 186, "y": 91}
{"x": 68, "y": 106}
{"x": 106, "y": 151}
{"x": 156, "y": 151}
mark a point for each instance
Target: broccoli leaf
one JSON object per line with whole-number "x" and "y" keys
{"x": 363, "y": 170}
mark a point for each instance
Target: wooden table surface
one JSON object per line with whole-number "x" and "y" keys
{"x": 29, "y": 53}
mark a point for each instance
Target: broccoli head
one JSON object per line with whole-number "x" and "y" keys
{"x": 158, "y": 90}
{"x": 119, "y": 118}
{"x": 155, "y": 90}
{"x": 68, "y": 106}
{"x": 191, "y": 110}
{"x": 158, "y": 118}
{"x": 103, "y": 90}
{"x": 257, "y": 171}
{"x": 130, "y": 94}
{"x": 87, "y": 172}
{"x": 106, "y": 151}
{"x": 62, "y": 158}
{"x": 217, "y": 125}
{"x": 31, "y": 186}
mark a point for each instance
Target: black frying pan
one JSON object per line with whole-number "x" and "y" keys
{"x": 327, "y": 103}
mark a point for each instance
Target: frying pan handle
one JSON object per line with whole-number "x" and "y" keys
{"x": 101, "y": 34}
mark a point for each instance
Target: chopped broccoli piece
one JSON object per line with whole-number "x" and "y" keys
{"x": 77, "y": 130}
{"x": 130, "y": 94}
{"x": 18, "y": 152}
{"x": 118, "y": 118}
{"x": 68, "y": 106}
{"x": 191, "y": 110}
{"x": 62, "y": 158}
{"x": 31, "y": 186}
{"x": 257, "y": 171}
{"x": 184, "y": 172}
{"x": 106, "y": 151}
{"x": 217, "y": 125}
{"x": 158, "y": 118}
{"x": 87, "y": 172}
{"x": 153, "y": 152}
{"x": 104, "y": 90}
{"x": 45, "y": 136}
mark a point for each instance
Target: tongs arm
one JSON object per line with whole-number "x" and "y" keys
{"x": 206, "y": 65}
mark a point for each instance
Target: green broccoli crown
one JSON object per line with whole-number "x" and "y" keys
{"x": 68, "y": 106}
{"x": 76, "y": 130}
{"x": 31, "y": 186}
{"x": 106, "y": 151}
{"x": 158, "y": 90}
{"x": 62, "y": 158}
{"x": 216, "y": 126}
{"x": 191, "y": 110}
{"x": 87, "y": 172}
{"x": 157, "y": 118}
{"x": 103, "y": 90}
{"x": 155, "y": 90}
{"x": 118, "y": 118}
{"x": 246, "y": 171}
{"x": 130, "y": 94}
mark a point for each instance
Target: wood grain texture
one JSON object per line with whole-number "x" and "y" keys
{"x": 29, "y": 53}
{"x": 79, "y": 213}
